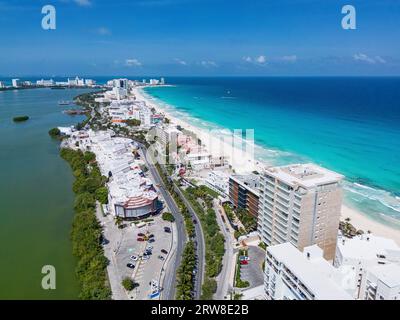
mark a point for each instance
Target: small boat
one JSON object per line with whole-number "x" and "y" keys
{"x": 64, "y": 103}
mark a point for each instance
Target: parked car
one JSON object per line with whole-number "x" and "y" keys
{"x": 140, "y": 239}
{"x": 134, "y": 258}
{"x": 131, "y": 265}
{"x": 149, "y": 248}
{"x": 164, "y": 251}
{"x": 244, "y": 262}
{"x": 244, "y": 258}
{"x": 151, "y": 236}
{"x": 151, "y": 240}
{"x": 161, "y": 258}
{"x": 141, "y": 234}
{"x": 167, "y": 229}
{"x": 194, "y": 221}
{"x": 145, "y": 257}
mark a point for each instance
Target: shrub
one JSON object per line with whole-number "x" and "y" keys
{"x": 128, "y": 284}
{"x": 167, "y": 216}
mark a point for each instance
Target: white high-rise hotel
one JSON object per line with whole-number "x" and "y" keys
{"x": 300, "y": 204}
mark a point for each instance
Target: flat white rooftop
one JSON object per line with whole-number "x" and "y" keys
{"x": 366, "y": 247}
{"x": 389, "y": 274}
{"x": 308, "y": 175}
{"x": 315, "y": 273}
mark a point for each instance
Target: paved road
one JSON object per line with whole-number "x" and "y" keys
{"x": 170, "y": 272}
{"x": 228, "y": 261}
{"x": 201, "y": 253}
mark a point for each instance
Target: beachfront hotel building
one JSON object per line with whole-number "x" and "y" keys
{"x": 362, "y": 252}
{"x": 243, "y": 192}
{"x": 300, "y": 204}
{"x": 294, "y": 275}
{"x": 381, "y": 282}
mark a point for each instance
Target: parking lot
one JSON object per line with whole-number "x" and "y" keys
{"x": 253, "y": 272}
{"x": 145, "y": 270}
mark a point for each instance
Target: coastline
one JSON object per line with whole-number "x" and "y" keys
{"x": 243, "y": 161}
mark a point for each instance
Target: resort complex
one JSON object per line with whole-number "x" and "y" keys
{"x": 280, "y": 227}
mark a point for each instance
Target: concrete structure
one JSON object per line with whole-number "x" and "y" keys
{"x": 131, "y": 194}
{"x": 45, "y": 83}
{"x": 243, "y": 192}
{"x": 293, "y": 275}
{"x": 2, "y": 85}
{"x": 300, "y": 204}
{"x": 219, "y": 182}
{"x": 361, "y": 252}
{"x": 16, "y": 83}
{"x": 381, "y": 282}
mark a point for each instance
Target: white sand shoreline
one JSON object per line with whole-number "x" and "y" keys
{"x": 243, "y": 162}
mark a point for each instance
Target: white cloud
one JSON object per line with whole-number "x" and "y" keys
{"x": 261, "y": 59}
{"x": 133, "y": 63}
{"x": 103, "y": 31}
{"x": 207, "y": 64}
{"x": 181, "y": 62}
{"x": 372, "y": 60}
{"x": 380, "y": 59}
{"x": 292, "y": 58}
{"x": 247, "y": 59}
{"x": 83, "y": 3}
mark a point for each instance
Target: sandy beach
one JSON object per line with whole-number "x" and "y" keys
{"x": 243, "y": 161}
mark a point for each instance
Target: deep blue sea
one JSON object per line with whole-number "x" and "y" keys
{"x": 350, "y": 125}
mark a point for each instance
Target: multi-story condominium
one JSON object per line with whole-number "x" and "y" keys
{"x": 361, "y": 252}
{"x": 2, "y": 85}
{"x": 16, "y": 83}
{"x": 219, "y": 182}
{"x": 243, "y": 192}
{"x": 300, "y": 204}
{"x": 381, "y": 282}
{"x": 294, "y": 275}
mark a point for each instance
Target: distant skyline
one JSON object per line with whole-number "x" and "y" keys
{"x": 199, "y": 37}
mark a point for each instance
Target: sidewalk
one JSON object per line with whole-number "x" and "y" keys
{"x": 118, "y": 293}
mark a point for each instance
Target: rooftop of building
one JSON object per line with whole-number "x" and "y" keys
{"x": 367, "y": 247}
{"x": 307, "y": 175}
{"x": 317, "y": 274}
{"x": 389, "y": 274}
{"x": 250, "y": 181}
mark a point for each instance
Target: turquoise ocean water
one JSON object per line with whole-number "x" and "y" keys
{"x": 350, "y": 125}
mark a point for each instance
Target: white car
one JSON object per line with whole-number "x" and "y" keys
{"x": 134, "y": 258}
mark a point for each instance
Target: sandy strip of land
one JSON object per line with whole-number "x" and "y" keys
{"x": 360, "y": 221}
{"x": 243, "y": 161}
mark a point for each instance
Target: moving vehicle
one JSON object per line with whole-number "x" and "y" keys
{"x": 244, "y": 258}
{"x": 243, "y": 262}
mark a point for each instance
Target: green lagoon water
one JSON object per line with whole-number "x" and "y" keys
{"x": 36, "y": 200}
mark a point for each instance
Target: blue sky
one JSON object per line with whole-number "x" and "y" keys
{"x": 199, "y": 37}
